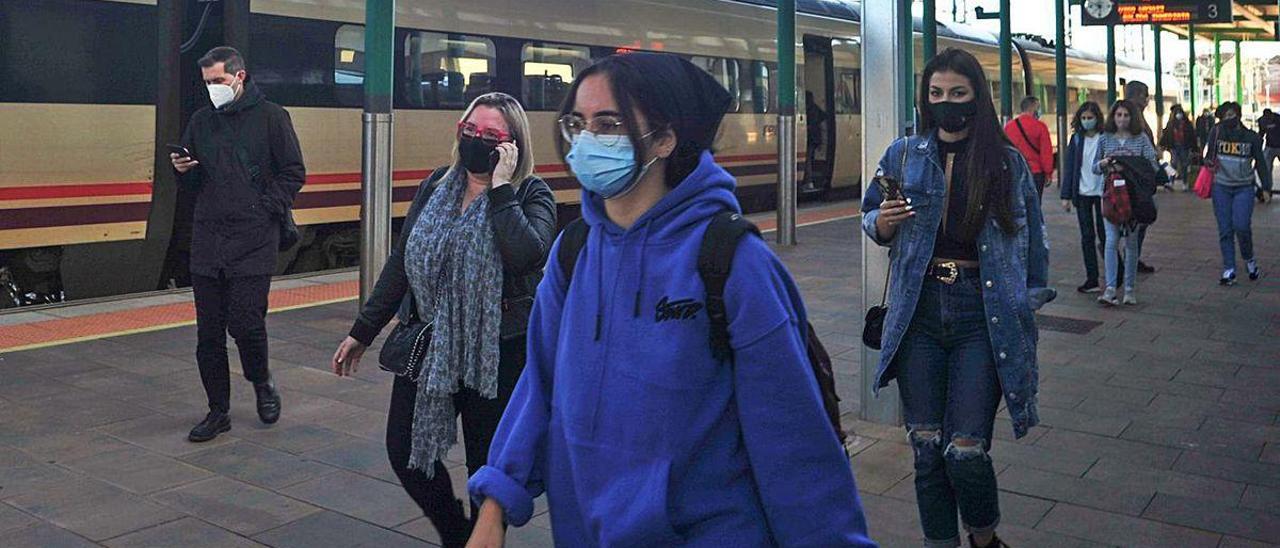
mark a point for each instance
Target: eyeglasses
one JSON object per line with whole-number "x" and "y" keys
{"x": 490, "y": 135}
{"x": 609, "y": 129}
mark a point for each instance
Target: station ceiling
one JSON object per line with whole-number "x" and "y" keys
{"x": 1255, "y": 20}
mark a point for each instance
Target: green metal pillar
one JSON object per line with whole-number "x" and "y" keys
{"x": 1239, "y": 75}
{"x": 1111, "y": 65}
{"x": 1192, "y": 88}
{"x": 786, "y": 214}
{"x": 1060, "y": 82}
{"x": 930, "y": 29}
{"x": 375, "y": 179}
{"x": 1006, "y": 63}
{"x": 906, "y": 42}
{"x": 1159, "y": 79}
{"x": 1217, "y": 70}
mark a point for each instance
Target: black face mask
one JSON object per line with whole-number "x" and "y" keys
{"x": 478, "y": 156}
{"x": 953, "y": 117}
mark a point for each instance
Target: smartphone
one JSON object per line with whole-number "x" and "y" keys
{"x": 181, "y": 151}
{"x": 890, "y": 187}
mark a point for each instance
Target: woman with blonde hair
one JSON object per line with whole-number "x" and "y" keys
{"x": 468, "y": 260}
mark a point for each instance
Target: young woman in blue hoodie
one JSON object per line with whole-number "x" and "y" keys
{"x": 637, "y": 435}
{"x": 968, "y": 266}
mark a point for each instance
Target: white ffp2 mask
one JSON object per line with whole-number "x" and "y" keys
{"x": 221, "y": 95}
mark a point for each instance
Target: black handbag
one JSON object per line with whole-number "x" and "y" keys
{"x": 406, "y": 347}
{"x": 873, "y": 323}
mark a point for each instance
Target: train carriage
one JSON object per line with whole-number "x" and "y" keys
{"x": 92, "y": 90}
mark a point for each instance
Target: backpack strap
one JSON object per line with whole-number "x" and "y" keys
{"x": 572, "y": 240}
{"x": 715, "y": 260}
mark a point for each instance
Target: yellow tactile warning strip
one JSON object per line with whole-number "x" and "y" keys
{"x": 53, "y": 332}
{"x": 45, "y": 333}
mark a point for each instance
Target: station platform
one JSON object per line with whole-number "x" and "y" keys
{"x": 1161, "y": 421}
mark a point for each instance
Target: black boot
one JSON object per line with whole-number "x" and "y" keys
{"x": 268, "y": 401}
{"x": 454, "y": 528}
{"x": 216, "y": 422}
{"x": 995, "y": 543}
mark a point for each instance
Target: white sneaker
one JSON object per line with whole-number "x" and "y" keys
{"x": 1129, "y": 297}
{"x": 1108, "y": 297}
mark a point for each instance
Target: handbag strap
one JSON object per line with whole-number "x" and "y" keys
{"x": 1033, "y": 146}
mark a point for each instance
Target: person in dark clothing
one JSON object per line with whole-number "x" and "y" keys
{"x": 1139, "y": 94}
{"x": 1179, "y": 138}
{"x": 1269, "y": 127}
{"x": 815, "y": 131}
{"x": 1204, "y": 124}
{"x": 469, "y": 258}
{"x": 246, "y": 166}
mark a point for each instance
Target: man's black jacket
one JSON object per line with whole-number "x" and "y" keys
{"x": 250, "y": 168}
{"x": 524, "y": 224}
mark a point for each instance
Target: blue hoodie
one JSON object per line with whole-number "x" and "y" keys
{"x": 637, "y": 435}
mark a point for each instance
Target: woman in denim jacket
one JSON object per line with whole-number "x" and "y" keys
{"x": 969, "y": 262}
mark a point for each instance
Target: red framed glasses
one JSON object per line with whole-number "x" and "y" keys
{"x": 468, "y": 129}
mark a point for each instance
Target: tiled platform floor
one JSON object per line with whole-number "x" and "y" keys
{"x": 1160, "y": 424}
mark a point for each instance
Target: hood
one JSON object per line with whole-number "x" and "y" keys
{"x": 249, "y": 99}
{"x": 705, "y": 192}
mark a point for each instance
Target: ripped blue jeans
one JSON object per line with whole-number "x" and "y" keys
{"x": 950, "y": 393}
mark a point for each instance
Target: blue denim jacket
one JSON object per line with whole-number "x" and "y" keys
{"x": 1014, "y": 268}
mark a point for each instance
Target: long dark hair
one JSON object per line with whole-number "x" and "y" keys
{"x": 1088, "y": 106}
{"x": 987, "y": 171}
{"x": 1135, "y": 125}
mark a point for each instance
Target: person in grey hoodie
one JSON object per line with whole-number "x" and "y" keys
{"x": 1236, "y": 156}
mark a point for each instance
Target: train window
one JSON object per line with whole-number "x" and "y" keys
{"x": 65, "y": 51}
{"x": 446, "y": 71}
{"x": 849, "y": 91}
{"x": 549, "y": 70}
{"x": 724, "y": 71}
{"x": 291, "y": 72}
{"x": 348, "y": 64}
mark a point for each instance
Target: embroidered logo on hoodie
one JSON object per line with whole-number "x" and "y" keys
{"x": 683, "y": 309}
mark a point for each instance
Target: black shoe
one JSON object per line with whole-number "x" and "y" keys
{"x": 1229, "y": 278}
{"x": 216, "y": 422}
{"x": 1089, "y": 287}
{"x": 995, "y": 543}
{"x": 1145, "y": 268}
{"x": 1254, "y": 271}
{"x": 268, "y": 401}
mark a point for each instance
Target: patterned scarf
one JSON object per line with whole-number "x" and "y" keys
{"x": 455, "y": 272}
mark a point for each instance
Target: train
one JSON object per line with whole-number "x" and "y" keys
{"x": 91, "y": 91}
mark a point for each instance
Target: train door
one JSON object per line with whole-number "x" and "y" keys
{"x": 819, "y": 114}
{"x": 189, "y": 29}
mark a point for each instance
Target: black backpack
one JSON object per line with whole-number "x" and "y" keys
{"x": 715, "y": 259}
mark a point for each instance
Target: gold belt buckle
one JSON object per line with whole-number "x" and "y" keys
{"x": 951, "y": 277}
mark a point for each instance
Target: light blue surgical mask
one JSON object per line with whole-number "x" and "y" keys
{"x": 1089, "y": 124}
{"x": 606, "y": 164}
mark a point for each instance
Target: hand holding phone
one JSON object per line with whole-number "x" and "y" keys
{"x": 181, "y": 158}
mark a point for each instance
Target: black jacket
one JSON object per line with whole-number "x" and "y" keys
{"x": 250, "y": 168}
{"x": 524, "y": 223}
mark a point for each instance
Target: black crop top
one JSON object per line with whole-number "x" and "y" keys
{"x": 951, "y": 243}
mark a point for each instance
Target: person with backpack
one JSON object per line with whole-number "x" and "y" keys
{"x": 1082, "y": 188}
{"x": 968, "y": 268}
{"x": 627, "y": 416}
{"x": 460, "y": 280}
{"x": 1236, "y": 156}
{"x": 1123, "y": 136}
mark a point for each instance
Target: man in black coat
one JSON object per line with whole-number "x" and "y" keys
{"x": 246, "y": 166}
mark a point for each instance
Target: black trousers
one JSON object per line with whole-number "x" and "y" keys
{"x": 236, "y": 305}
{"x": 1041, "y": 179}
{"x": 1093, "y": 236}
{"x": 480, "y": 418}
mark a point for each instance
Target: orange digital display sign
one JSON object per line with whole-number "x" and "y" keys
{"x": 1153, "y": 12}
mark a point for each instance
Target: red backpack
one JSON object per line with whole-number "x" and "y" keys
{"x": 1115, "y": 200}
